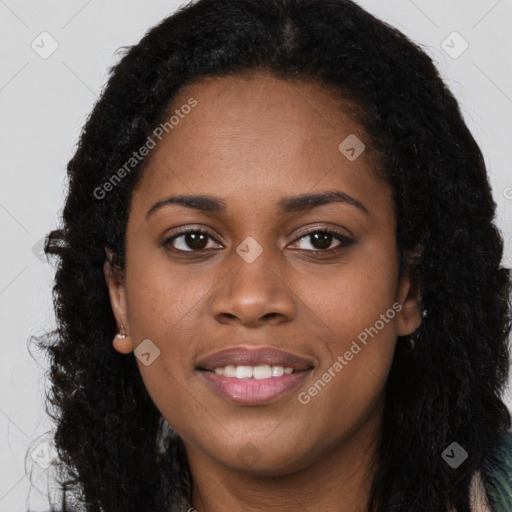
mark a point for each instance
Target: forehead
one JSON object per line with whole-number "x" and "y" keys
{"x": 260, "y": 109}
{"x": 256, "y": 136}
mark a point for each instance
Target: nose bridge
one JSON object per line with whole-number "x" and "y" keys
{"x": 255, "y": 289}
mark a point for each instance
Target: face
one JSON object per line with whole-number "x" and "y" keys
{"x": 264, "y": 323}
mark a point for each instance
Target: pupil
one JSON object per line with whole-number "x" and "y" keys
{"x": 324, "y": 239}
{"x": 196, "y": 240}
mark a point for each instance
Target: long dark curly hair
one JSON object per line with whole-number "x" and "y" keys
{"x": 114, "y": 453}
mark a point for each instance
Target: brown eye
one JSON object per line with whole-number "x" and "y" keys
{"x": 189, "y": 241}
{"x": 322, "y": 240}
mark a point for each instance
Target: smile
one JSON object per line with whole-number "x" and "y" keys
{"x": 253, "y": 376}
{"x": 264, "y": 371}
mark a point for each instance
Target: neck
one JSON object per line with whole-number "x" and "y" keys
{"x": 338, "y": 481}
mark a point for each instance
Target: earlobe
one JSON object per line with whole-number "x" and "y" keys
{"x": 410, "y": 316}
{"x": 122, "y": 342}
{"x": 409, "y": 295}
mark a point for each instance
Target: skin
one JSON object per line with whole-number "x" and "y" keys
{"x": 252, "y": 140}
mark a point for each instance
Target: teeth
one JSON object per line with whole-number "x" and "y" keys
{"x": 264, "y": 371}
{"x": 230, "y": 371}
{"x": 277, "y": 371}
{"x": 243, "y": 372}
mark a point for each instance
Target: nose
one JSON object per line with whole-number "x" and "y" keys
{"x": 254, "y": 294}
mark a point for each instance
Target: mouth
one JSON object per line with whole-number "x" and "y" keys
{"x": 254, "y": 376}
{"x": 264, "y": 371}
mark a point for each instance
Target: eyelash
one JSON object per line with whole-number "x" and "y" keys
{"x": 344, "y": 240}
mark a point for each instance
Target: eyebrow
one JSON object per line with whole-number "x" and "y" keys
{"x": 308, "y": 201}
{"x": 286, "y": 205}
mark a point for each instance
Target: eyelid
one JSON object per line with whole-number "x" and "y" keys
{"x": 343, "y": 238}
{"x": 324, "y": 228}
{"x": 193, "y": 228}
{"x": 183, "y": 230}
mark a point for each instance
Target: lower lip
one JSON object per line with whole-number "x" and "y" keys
{"x": 254, "y": 391}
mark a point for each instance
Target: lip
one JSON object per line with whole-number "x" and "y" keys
{"x": 254, "y": 391}
{"x": 239, "y": 356}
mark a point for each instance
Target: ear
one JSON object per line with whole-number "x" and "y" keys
{"x": 409, "y": 318}
{"x": 117, "y": 293}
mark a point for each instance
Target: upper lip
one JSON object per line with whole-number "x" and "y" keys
{"x": 243, "y": 356}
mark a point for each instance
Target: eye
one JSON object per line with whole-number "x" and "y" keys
{"x": 322, "y": 239}
{"x": 195, "y": 239}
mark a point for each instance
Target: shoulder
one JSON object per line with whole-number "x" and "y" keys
{"x": 497, "y": 473}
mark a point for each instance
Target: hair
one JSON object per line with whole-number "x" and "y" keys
{"x": 114, "y": 453}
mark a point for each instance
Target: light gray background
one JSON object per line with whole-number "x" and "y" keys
{"x": 44, "y": 103}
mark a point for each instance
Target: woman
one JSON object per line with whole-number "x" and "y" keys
{"x": 279, "y": 282}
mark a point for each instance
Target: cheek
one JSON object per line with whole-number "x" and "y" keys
{"x": 355, "y": 312}
{"x": 358, "y": 352}
{"x": 163, "y": 300}
{"x": 163, "y": 307}
{"x": 352, "y": 296}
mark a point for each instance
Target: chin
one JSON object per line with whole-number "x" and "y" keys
{"x": 265, "y": 460}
